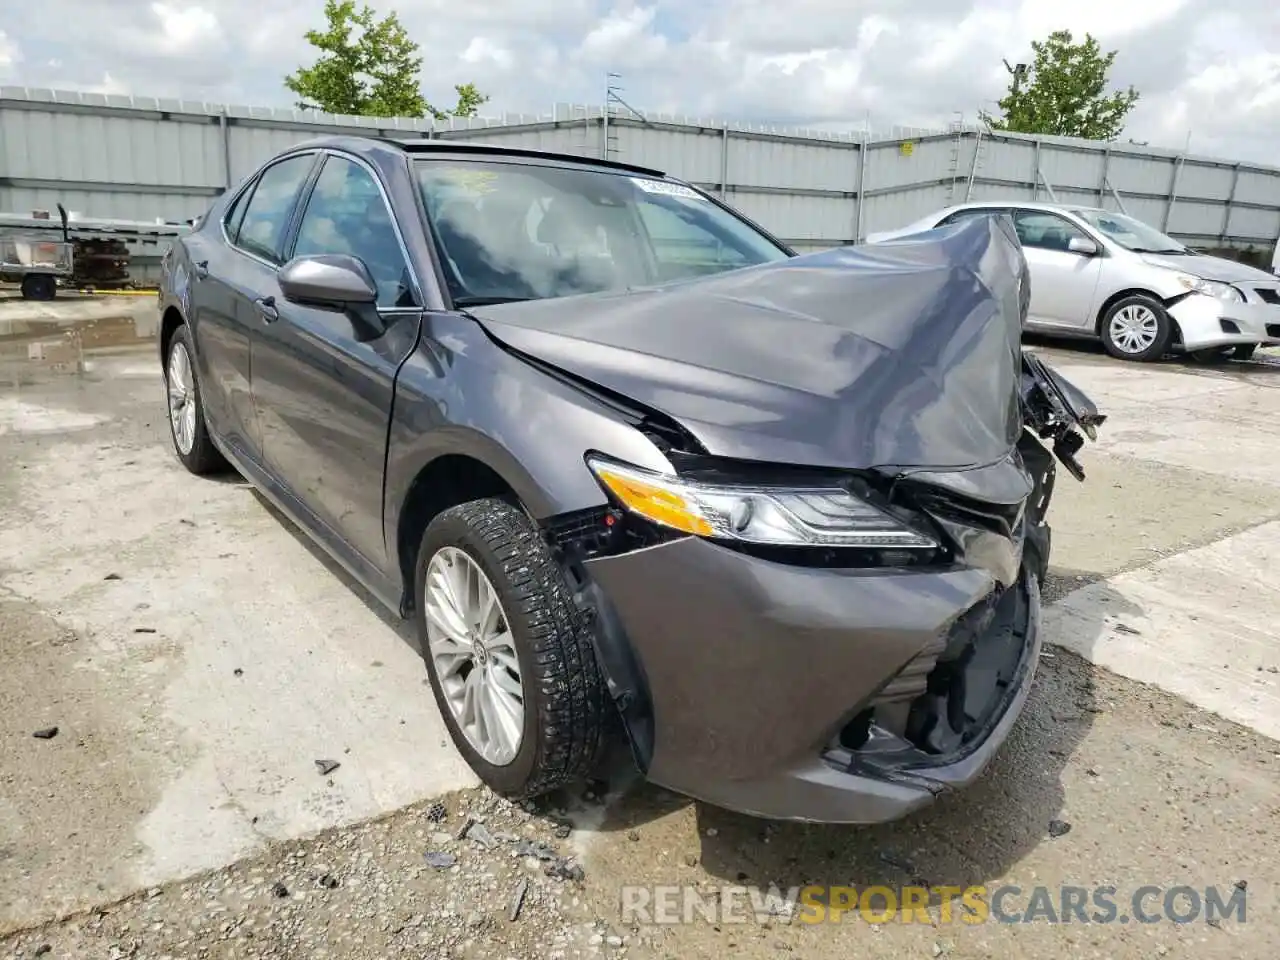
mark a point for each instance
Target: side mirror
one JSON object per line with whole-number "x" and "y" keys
{"x": 1082, "y": 245}
{"x": 328, "y": 280}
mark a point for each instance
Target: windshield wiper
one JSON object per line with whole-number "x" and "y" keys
{"x": 1168, "y": 251}
{"x": 464, "y": 302}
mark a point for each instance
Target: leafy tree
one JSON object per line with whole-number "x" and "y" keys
{"x": 1065, "y": 93}
{"x": 369, "y": 67}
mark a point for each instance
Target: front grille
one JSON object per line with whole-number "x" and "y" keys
{"x": 1273, "y": 329}
{"x": 1268, "y": 294}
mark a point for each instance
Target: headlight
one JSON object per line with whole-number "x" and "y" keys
{"x": 776, "y": 516}
{"x": 1211, "y": 288}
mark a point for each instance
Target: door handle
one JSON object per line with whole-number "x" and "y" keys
{"x": 267, "y": 307}
{"x": 201, "y": 268}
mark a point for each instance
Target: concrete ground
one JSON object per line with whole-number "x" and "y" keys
{"x": 198, "y": 657}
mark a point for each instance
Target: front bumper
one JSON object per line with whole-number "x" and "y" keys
{"x": 756, "y": 670}
{"x": 1210, "y": 322}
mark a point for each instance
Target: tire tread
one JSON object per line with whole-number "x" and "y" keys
{"x": 572, "y": 698}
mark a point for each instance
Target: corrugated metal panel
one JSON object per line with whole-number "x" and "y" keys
{"x": 1195, "y": 219}
{"x": 1204, "y": 181}
{"x": 1074, "y": 171}
{"x": 121, "y": 205}
{"x": 1255, "y": 186}
{"x": 1141, "y": 174}
{"x": 788, "y": 163}
{"x": 800, "y": 218}
{"x": 143, "y": 158}
{"x": 892, "y": 211}
{"x": 912, "y": 163}
{"x": 1250, "y": 222}
{"x": 1014, "y": 161}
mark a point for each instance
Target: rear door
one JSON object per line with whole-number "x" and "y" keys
{"x": 1063, "y": 282}
{"x": 323, "y": 396}
{"x": 233, "y": 267}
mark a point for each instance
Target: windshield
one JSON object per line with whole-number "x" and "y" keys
{"x": 1130, "y": 233}
{"x": 513, "y": 231}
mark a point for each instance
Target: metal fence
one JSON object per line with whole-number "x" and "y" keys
{"x": 141, "y": 158}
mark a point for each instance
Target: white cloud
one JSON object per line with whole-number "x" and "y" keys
{"x": 10, "y": 56}
{"x": 1204, "y": 67}
{"x": 183, "y": 29}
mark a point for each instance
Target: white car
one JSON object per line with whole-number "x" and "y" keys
{"x": 1097, "y": 273}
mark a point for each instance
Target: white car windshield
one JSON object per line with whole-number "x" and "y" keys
{"x": 524, "y": 231}
{"x": 1130, "y": 233}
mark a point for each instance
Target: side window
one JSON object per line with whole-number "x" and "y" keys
{"x": 266, "y": 215}
{"x": 967, "y": 213}
{"x": 347, "y": 214}
{"x": 682, "y": 248}
{"x": 1045, "y": 231}
{"x": 235, "y": 215}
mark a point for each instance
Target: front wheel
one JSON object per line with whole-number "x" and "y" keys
{"x": 1137, "y": 328}
{"x": 511, "y": 665}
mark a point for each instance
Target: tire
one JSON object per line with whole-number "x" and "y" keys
{"x": 566, "y": 708}
{"x": 1244, "y": 351}
{"x": 39, "y": 286}
{"x": 202, "y": 457}
{"x": 1150, "y": 325}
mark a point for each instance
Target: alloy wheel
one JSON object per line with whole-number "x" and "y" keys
{"x": 1134, "y": 328}
{"x": 473, "y": 653}
{"x": 182, "y": 399}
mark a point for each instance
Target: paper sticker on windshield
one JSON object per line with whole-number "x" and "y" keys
{"x": 475, "y": 182}
{"x": 670, "y": 189}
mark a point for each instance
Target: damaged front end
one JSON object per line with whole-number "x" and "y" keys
{"x": 828, "y": 608}
{"x": 949, "y": 697}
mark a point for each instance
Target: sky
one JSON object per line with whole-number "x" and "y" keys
{"x": 1208, "y": 70}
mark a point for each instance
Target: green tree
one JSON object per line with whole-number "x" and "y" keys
{"x": 1065, "y": 93}
{"x": 369, "y": 67}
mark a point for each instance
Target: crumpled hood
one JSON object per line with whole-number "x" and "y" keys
{"x": 1211, "y": 268}
{"x": 903, "y": 355}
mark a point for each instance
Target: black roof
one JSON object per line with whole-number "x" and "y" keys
{"x": 421, "y": 145}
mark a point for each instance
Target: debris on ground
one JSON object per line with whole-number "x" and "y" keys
{"x": 517, "y": 901}
{"x": 440, "y": 860}
{"x": 47, "y": 733}
{"x": 1059, "y": 828}
{"x": 479, "y": 834}
{"x": 327, "y": 767}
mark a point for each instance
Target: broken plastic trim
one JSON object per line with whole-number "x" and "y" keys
{"x": 886, "y": 755}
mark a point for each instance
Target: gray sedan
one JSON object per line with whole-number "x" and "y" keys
{"x": 1098, "y": 273}
{"x": 537, "y": 404}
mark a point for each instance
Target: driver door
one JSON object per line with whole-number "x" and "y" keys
{"x": 322, "y": 388}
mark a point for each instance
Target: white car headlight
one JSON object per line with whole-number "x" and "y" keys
{"x": 1211, "y": 288}
{"x": 766, "y": 515}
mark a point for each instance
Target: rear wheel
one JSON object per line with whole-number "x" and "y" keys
{"x": 1244, "y": 351}
{"x": 511, "y": 665}
{"x": 1138, "y": 328}
{"x": 191, "y": 441}
{"x": 1211, "y": 355}
{"x": 39, "y": 286}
